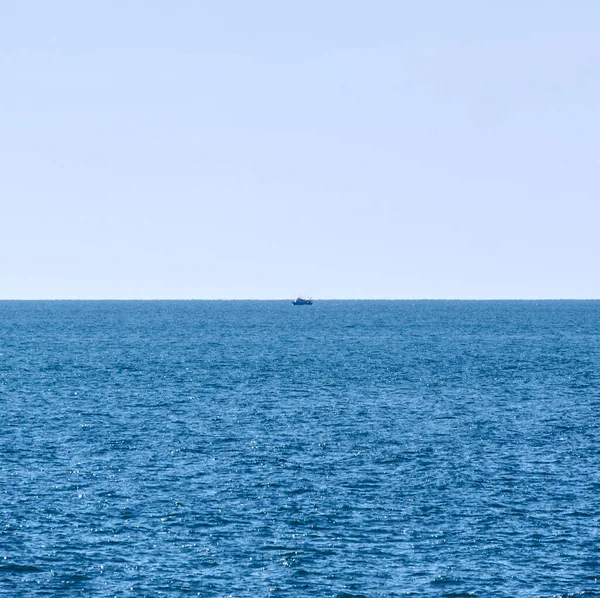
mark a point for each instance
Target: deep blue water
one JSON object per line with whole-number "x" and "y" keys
{"x": 259, "y": 449}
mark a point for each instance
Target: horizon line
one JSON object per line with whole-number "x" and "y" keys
{"x": 314, "y": 299}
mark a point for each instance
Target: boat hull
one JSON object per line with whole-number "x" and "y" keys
{"x": 300, "y": 301}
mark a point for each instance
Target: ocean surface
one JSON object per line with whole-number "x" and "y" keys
{"x": 257, "y": 449}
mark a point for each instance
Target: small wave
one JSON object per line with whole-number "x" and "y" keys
{"x": 18, "y": 568}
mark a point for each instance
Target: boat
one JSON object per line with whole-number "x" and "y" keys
{"x": 301, "y": 301}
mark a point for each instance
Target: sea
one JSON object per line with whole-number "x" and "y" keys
{"x": 259, "y": 449}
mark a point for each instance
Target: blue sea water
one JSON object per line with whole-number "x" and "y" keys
{"x": 351, "y": 448}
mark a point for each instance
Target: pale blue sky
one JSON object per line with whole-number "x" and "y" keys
{"x": 338, "y": 148}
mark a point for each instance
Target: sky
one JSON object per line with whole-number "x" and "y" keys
{"x": 334, "y": 148}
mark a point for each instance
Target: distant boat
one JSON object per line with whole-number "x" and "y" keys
{"x": 300, "y": 301}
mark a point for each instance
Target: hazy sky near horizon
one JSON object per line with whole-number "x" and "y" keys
{"x": 337, "y": 148}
